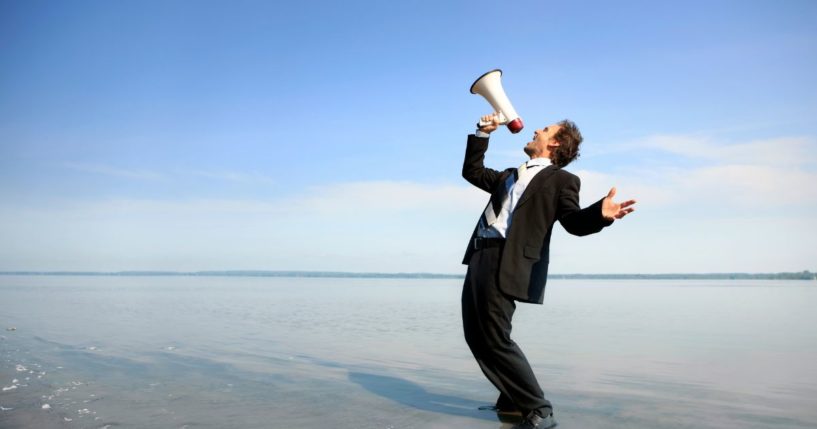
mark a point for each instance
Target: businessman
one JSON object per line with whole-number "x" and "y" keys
{"x": 507, "y": 255}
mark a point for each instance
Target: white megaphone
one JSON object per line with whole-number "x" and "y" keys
{"x": 489, "y": 86}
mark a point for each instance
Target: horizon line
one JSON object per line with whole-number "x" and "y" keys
{"x": 794, "y": 275}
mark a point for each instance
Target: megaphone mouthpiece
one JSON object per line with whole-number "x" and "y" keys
{"x": 516, "y": 125}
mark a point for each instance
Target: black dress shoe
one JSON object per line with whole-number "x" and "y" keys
{"x": 535, "y": 421}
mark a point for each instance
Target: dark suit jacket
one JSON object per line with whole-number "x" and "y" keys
{"x": 553, "y": 194}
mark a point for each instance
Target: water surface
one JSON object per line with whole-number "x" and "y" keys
{"x": 244, "y": 352}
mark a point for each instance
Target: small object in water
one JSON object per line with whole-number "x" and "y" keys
{"x": 11, "y": 328}
{"x": 2, "y": 408}
{"x": 67, "y": 419}
{"x": 12, "y": 387}
{"x": 20, "y": 368}
{"x": 46, "y": 407}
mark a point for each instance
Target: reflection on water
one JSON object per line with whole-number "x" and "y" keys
{"x": 201, "y": 352}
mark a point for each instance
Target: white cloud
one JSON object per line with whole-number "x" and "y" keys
{"x": 387, "y": 197}
{"x": 760, "y": 174}
{"x": 363, "y": 199}
{"x": 107, "y": 170}
{"x": 251, "y": 177}
{"x": 738, "y": 207}
{"x": 734, "y": 209}
{"x": 752, "y": 185}
{"x": 361, "y": 226}
{"x": 781, "y": 151}
{"x": 729, "y": 188}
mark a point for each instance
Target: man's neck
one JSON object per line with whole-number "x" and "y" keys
{"x": 540, "y": 155}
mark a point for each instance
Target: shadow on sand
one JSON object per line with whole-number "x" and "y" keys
{"x": 415, "y": 396}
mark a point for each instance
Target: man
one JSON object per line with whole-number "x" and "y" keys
{"x": 507, "y": 255}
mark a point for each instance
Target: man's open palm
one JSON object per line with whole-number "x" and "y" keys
{"x": 613, "y": 210}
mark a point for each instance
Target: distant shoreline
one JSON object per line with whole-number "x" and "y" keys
{"x": 803, "y": 275}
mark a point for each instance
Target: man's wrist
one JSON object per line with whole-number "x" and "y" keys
{"x": 480, "y": 133}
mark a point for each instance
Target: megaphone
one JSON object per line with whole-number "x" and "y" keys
{"x": 489, "y": 86}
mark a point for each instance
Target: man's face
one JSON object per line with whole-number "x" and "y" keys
{"x": 543, "y": 142}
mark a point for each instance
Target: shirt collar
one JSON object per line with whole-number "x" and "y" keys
{"x": 538, "y": 162}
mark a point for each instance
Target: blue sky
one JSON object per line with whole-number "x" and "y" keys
{"x": 195, "y": 135}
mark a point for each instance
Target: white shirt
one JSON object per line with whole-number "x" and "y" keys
{"x": 503, "y": 220}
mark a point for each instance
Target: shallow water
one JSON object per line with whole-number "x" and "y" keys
{"x": 236, "y": 352}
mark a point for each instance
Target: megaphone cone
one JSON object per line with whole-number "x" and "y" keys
{"x": 489, "y": 86}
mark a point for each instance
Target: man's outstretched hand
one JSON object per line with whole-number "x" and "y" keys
{"x": 613, "y": 210}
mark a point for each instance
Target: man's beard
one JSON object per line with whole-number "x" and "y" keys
{"x": 529, "y": 151}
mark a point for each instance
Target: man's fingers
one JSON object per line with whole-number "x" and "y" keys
{"x": 612, "y": 192}
{"x": 624, "y": 212}
{"x": 627, "y": 203}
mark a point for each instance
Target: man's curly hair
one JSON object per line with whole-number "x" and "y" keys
{"x": 569, "y": 138}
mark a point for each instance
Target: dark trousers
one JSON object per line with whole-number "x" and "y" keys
{"x": 486, "y": 318}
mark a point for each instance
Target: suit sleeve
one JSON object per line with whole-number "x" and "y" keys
{"x": 473, "y": 167}
{"x": 573, "y": 218}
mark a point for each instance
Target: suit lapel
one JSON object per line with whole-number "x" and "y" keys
{"x": 537, "y": 183}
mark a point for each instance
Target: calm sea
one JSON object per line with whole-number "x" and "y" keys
{"x": 235, "y": 352}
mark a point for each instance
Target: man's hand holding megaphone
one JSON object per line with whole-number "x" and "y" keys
{"x": 489, "y": 123}
{"x": 489, "y": 86}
